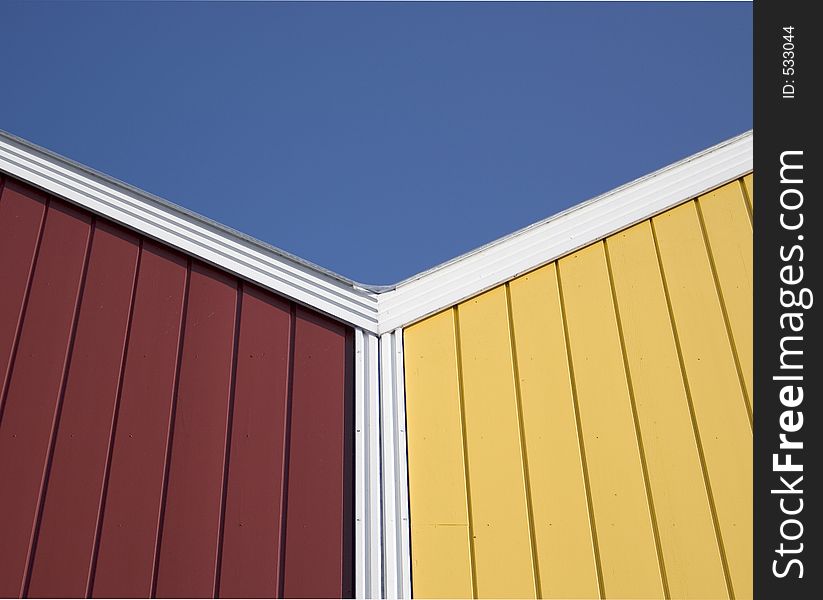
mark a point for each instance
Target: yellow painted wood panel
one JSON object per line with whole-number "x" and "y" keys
{"x": 500, "y": 520}
{"x": 625, "y": 536}
{"x": 717, "y": 395}
{"x": 691, "y": 555}
{"x": 440, "y": 534}
{"x": 748, "y": 185}
{"x": 565, "y": 548}
{"x": 729, "y": 232}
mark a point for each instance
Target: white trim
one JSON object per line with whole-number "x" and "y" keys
{"x": 253, "y": 260}
{"x": 379, "y": 309}
{"x": 360, "y": 466}
{"x": 382, "y": 542}
{"x": 548, "y": 240}
{"x": 396, "y": 544}
{"x": 368, "y": 527}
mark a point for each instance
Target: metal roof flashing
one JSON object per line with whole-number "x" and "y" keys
{"x": 377, "y": 308}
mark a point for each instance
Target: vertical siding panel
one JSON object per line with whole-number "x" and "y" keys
{"x": 499, "y": 505}
{"x": 712, "y": 377}
{"x": 314, "y": 543}
{"x": 625, "y": 532}
{"x": 563, "y": 534}
{"x": 131, "y": 510}
{"x": 251, "y": 539}
{"x": 439, "y": 510}
{"x": 21, "y": 219}
{"x": 66, "y": 539}
{"x": 729, "y": 234}
{"x": 748, "y": 186}
{"x": 34, "y": 389}
{"x": 694, "y": 568}
{"x": 191, "y": 522}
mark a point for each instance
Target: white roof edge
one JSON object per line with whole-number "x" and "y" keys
{"x": 378, "y": 309}
{"x": 546, "y": 241}
{"x": 194, "y": 234}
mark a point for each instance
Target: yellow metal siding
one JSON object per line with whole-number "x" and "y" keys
{"x": 688, "y": 542}
{"x": 748, "y": 187}
{"x": 562, "y": 524}
{"x": 585, "y": 429}
{"x": 434, "y": 412}
{"x": 715, "y": 385}
{"x": 502, "y": 537}
{"x": 728, "y": 227}
{"x": 621, "y": 509}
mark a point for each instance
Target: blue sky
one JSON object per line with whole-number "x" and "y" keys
{"x": 376, "y": 139}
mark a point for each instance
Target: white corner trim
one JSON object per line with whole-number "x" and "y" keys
{"x": 191, "y": 233}
{"x": 382, "y": 543}
{"x": 396, "y": 543}
{"x": 368, "y": 555}
{"x": 548, "y": 240}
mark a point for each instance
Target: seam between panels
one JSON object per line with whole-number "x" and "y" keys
{"x": 55, "y": 425}
{"x": 284, "y": 501}
{"x": 636, "y": 420}
{"x": 747, "y": 201}
{"x": 4, "y": 390}
{"x": 724, "y": 310}
{"x": 693, "y": 415}
{"x": 218, "y": 563}
{"x": 98, "y": 530}
{"x": 581, "y": 445}
{"x": 523, "y": 450}
{"x": 170, "y": 436}
{"x": 462, "y": 403}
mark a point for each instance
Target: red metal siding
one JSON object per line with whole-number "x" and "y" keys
{"x": 131, "y": 513}
{"x": 314, "y": 534}
{"x": 253, "y": 510}
{"x": 165, "y": 428}
{"x": 69, "y": 522}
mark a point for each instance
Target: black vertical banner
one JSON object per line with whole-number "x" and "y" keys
{"x": 788, "y": 226}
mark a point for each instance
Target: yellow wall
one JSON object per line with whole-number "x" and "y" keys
{"x": 585, "y": 430}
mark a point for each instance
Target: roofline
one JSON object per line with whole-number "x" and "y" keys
{"x": 559, "y": 235}
{"x": 195, "y": 234}
{"x": 378, "y": 309}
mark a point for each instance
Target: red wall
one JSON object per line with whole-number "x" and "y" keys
{"x": 165, "y": 428}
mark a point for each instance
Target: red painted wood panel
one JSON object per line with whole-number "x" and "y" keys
{"x": 34, "y": 390}
{"x": 250, "y": 565}
{"x": 191, "y": 523}
{"x": 315, "y": 542}
{"x": 65, "y": 544}
{"x": 21, "y": 217}
{"x": 165, "y": 428}
{"x": 131, "y": 513}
